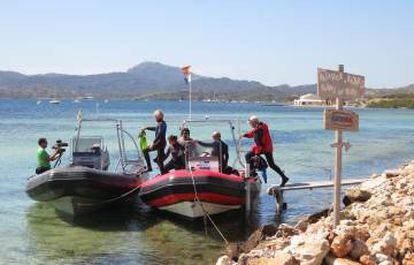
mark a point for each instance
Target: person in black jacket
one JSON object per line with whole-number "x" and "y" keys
{"x": 159, "y": 142}
{"x": 220, "y": 150}
{"x": 177, "y": 153}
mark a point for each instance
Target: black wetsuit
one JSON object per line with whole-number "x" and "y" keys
{"x": 177, "y": 160}
{"x": 224, "y": 156}
{"x": 158, "y": 145}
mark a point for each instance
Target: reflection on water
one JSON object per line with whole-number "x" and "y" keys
{"x": 131, "y": 235}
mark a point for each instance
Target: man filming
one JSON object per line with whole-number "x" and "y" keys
{"x": 43, "y": 158}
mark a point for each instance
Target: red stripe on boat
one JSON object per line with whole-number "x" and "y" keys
{"x": 204, "y": 196}
{"x": 187, "y": 174}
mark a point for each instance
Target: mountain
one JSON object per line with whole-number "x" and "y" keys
{"x": 145, "y": 80}
{"x": 152, "y": 80}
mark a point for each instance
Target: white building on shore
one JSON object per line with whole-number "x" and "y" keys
{"x": 309, "y": 100}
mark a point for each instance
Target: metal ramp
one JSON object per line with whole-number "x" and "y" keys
{"x": 277, "y": 191}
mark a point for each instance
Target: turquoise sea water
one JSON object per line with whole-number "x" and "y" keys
{"x": 32, "y": 233}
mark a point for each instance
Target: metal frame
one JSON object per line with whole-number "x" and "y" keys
{"x": 238, "y": 159}
{"x": 120, "y": 132}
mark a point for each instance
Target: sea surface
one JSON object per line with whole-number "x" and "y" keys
{"x": 33, "y": 233}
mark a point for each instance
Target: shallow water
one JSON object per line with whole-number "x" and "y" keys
{"x": 33, "y": 232}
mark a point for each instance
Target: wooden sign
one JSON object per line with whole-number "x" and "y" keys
{"x": 345, "y": 120}
{"x": 333, "y": 84}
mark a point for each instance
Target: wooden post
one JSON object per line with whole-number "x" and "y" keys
{"x": 248, "y": 189}
{"x": 338, "y": 163}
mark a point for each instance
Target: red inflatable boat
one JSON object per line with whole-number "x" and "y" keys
{"x": 178, "y": 191}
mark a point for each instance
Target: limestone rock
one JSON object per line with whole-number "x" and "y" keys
{"x": 308, "y": 249}
{"x": 225, "y": 260}
{"x": 367, "y": 260}
{"x": 332, "y": 260}
{"x": 341, "y": 246}
{"x": 359, "y": 248}
{"x": 278, "y": 259}
{"x": 356, "y": 195}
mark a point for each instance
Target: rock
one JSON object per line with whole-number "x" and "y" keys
{"x": 341, "y": 246}
{"x": 278, "y": 259}
{"x": 302, "y": 225}
{"x": 383, "y": 258}
{"x": 287, "y": 230}
{"x": 406, "y": 245}
{"x": 356, "y": 195}
{"x": 361, "y": 233}
{"x": 268, "y": 230}
{"x": 225, "y": 260}
{"x": 345, "y": 230}
{"x": 367, "y": 260}
{"x": 359, "y": 248}
{"x": 332, "y": 260}
{"x": 308, "y": 249}
{"x": 391, "y": 174}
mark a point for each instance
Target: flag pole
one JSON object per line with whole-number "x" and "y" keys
{"x": 189, "y": 100}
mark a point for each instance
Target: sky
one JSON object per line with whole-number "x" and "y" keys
{"x": 274, "y": 42}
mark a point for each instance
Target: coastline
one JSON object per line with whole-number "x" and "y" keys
{"x": 377, "y": 227}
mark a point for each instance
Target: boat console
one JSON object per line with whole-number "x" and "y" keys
{"x": 90, "y": 152}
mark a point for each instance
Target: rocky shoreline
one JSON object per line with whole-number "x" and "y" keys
{"x": 377, "y": 227}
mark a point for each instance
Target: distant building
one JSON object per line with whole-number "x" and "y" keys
{"x": 309, "y": 100}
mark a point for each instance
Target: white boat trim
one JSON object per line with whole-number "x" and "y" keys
{"x": 194, "y": 210}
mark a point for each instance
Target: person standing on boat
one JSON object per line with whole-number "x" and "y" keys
{"x": 262, "y": 145}
{"x": 176, "y": 151}
{"x": 43, "y": 158}
{"x": 159, "y": 142}
{"x": 220, "y": 150}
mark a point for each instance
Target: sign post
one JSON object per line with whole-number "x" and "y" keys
{"x": 339, "y": 86}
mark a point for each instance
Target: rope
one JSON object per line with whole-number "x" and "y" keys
{"x": 117, "y": 198}
{"x": 197, "y": 199}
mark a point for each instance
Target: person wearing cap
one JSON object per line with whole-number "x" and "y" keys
{"x": 262, "y": 145}
{"x": 220, "y": 149}
{"x": 159, "y": 142}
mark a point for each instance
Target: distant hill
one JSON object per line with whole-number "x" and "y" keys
{"x": 150, "y": 80}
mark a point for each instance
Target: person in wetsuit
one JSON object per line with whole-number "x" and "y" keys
{"x": 262, "y": 145}
{"x": 220, "y": 150}
{"x": 159, "y": 142}
{"x": 184, "y": 136}
{"x": 177, "y": 153}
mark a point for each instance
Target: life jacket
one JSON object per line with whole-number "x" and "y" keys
{"x": 262, "y": 140}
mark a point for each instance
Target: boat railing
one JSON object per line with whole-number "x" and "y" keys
{"x": 236, "y": 141}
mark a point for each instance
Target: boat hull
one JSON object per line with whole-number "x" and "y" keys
{"x": 80, "y": 190}
{"x": 213, "y": 192}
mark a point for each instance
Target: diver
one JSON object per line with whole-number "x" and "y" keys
{"x": 43, "y": 158}
{"x": 262, "y": 145}
{"x": 184, "y": 136}
{"x": 177, "y": 152}
{"x": 159, "y": 142}
{"x": 220, "y": 150}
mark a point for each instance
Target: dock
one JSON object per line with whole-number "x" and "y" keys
{"x": 277, "y": 191}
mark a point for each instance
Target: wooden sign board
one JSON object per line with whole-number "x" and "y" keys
{"x": 333, "y": 84}
{"x": 345, "y": 120}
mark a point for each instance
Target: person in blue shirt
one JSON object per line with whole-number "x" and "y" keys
{"x": 159, "y": 143}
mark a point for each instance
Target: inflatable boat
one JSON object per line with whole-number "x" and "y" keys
{"x": 194, "y": 193}
{"x": 202, "y": 187}
{"x": 79, "y": 190}
{"x": 86, "y": 184}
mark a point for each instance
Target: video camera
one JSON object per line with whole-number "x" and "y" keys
{"x": 59, "y": 146}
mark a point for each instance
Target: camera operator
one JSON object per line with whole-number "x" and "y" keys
{"x": 43, "y": 158}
